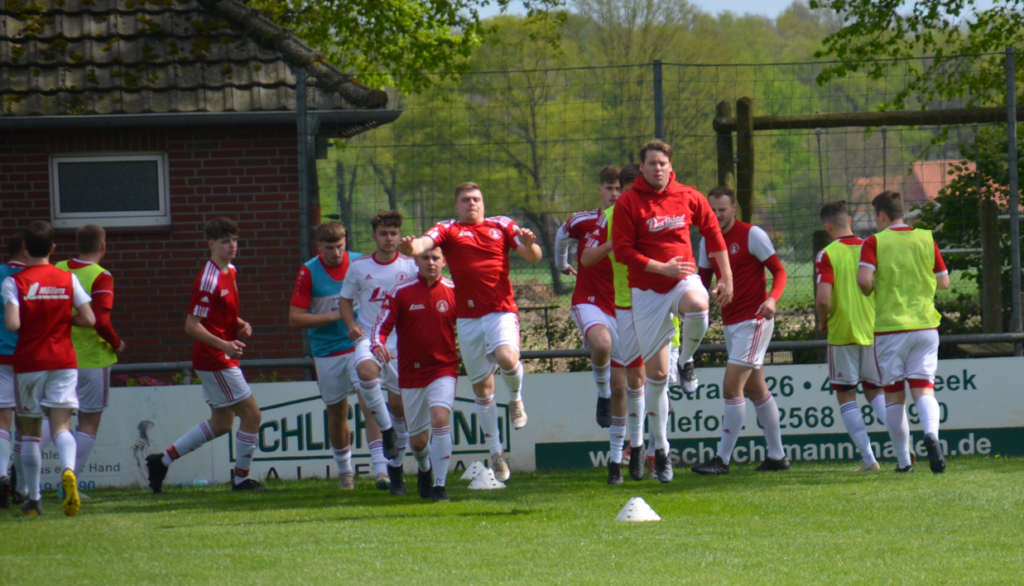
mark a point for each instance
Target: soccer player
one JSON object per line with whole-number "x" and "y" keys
{"x": 477, "y": 251}
{"x": 38, "y": 304}
{"x": 366, "y": 284}
{"x": 314, "y": 307}
{"x": 97, "y": 348}
{"x": 651, "y": 236}
{"x": 903, "y": 266}
{"x": 422, "y": 311}
{"x": 848, "y": 317}
{"x": 214, "y": 324}
{"x": 593, "y": 299}
{"x": 748, "y": 323}
{"x": 8, "y": 391}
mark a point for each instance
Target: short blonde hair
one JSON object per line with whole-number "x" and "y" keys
{"x": 330, "y": 232}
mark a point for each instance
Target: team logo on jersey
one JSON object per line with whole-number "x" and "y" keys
{"x": 224, "y": 292}
{"x": 659, "y": 223}
{"x": 402, "y": 276}
{"x": 37, "y": 293}
{"x": 415, "y": 306}
{"x": 734, "y": 248}
{"x": 442, "y": 306}
{"x": 496, "y": 233}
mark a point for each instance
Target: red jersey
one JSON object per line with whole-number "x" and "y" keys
{"x": 425, "y": 321}
{"x": 45, "y": 296}
{"x": 594, "y": 284}
{"x": 823, "y": 271}
{"x": 750, "y": 253}
{"x": 215, "y": 302}
{"x": 477, "y": 256}
{"x": 651, "y": 224}
{"x": 869, "y": 252}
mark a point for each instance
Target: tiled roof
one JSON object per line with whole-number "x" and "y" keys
{"x": 81, "y": 57}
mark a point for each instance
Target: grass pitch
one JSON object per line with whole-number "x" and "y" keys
{"x": 818, "y": 523}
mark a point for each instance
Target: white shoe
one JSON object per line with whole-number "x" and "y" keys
{"x": 872, "y": 467}
{"x": 500, "y": 467}
{"x": 346, "y": 481}
{"x": 517, "y": 414}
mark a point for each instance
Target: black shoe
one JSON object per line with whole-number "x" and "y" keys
{"x": 424, "y": 482}
{"x": 687, "y": 378}
{"x": 604, "y": 411}
{"x": 32, "y": 508}
{"x": 637, "y": 458}
{"x": 157, "y": 472}
{"x": 390, "y": 438}
{"x": 906, "y": 469}
{"x": 5, "y": 492}
{"x": 396, "y": 474}
{"x": 713, "y": 466}
{"x": 663, "y": 465}
{"x": 439, "y": 494}
{"x": 614, "y": 473}
{"x": 247, "y": 484}
{"x": 935, "y": 459}
{"x": 773, "y": 465}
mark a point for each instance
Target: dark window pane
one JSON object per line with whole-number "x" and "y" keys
{"x": 117, "y": 186}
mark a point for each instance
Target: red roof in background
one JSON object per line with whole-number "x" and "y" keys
{"x": 923, "y": 184}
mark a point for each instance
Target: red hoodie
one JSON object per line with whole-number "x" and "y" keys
{"x": 651, "y": 224}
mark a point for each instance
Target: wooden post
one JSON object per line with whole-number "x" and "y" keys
{"x": 726, "y": 168}
{"x": 745, "y": 152}
{"x": 991, "y": 269}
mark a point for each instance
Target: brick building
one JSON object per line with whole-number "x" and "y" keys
{"x": 151, "y": 116}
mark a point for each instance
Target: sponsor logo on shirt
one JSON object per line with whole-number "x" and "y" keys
{"x": 734, "y": 249}
{"x": 37, "y": 293}
{"x": 659, "y": 223}
{"x": 467, "y": 234}
{"x": 442, "y": 306}
{"x": 415, "y": 306}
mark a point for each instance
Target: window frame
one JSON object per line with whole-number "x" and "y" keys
{"x": 129, "y": 219}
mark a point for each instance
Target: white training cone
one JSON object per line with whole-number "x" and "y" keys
{"x": 486, "y": 481}
{"x": 637, "y": 510}
{"x": 474, "y": 470}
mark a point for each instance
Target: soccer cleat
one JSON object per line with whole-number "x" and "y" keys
{"x": 872, "y": 467}
{"x": 906, "y": 469}
{"x": 157, "y": 472}
{"x": 424, "y": 482}
{"x": 32, "y": 508}
{"x": 688, "y": 378}
{"x": 439, "y": 494}
{"x": 70, "y": 503}
{"x": 614, "y": 473}
{"x": 935, "y": 459}
{"x": 714, "y": 466}
{"x": 396, "y": 474}
{"x": 604, "y": 411}
{"x": 346, "y": 481}
{"x": 517, "y": 414}
{"x": 247, "y": 484}
{"x": 17, "y": 498}
{"x": 651, "y": 474}
{"x": 636, "y": 462}
{"x": 383, "y": 481}
{"x": 500, "y": 467}
{"x": 390, "y": 438}
{"x": 663, "y": 465}
{"x": 773, "y": 465}
{"x": 5, "y": 492}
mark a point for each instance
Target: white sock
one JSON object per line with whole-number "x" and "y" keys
{"x": 636, "y": 403}
{"x": 899, "y": 432}
{"x": 403, "y": 440}
{"x": 422, "y": 459}
{"x": 193, "y": 438}
{"x": 372, "y": 394}
{"x": 245, "y": 447}
{"x": 66, "y": 449}
{"x": 732, "y": 423}
{"x": 878, "y": 406}
{"x": 343, "y": 458}
{"x": 380, "y": 463}
{"x": 768, "y": 414}
{"x": 6, "y": 449}
{"x": 514, "y": 380}
{"x": 488, "y": 413}
{"x": 602, "y": 376}
{"x": 45, "y": 437}
{"x": 854, "y": 422}
{"x": 694, "y": 327}
{"x": 85, "y": 442}
{"x": 658, "y": 412}
{"x": 616, "y": 437}
{"x": 440, "y": 453}
{"x": 928, "y": 411}
{"x": 32, "y": 463}
{"x": 19, "y": 469}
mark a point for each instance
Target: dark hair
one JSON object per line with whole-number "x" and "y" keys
{"x": 330, "y": 232}
{"x": 39, "y": 237}
{"x": 655, "y": 145}
{"x": 89, "y": 238}
{"x": 15, "y": 244}
{"x": 722, "y": 191}
{"x": 387, "y": 218}
{"x": 220, "y": 227}
{"x": 464, "y": 187}
{"x": 628, "y": 175}
{"x": 889, "y": 203}
{"x": 834, "y": 213}
{"x": 609, "y": 174}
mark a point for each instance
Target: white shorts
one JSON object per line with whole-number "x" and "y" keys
{"x": 673, "y": 365}
{"x": 627, "y": 354}
{"x": 223, "y": 388}
{"x": 417, "y": 402}
{"x": 588, "y": 315}
{"x": 53, "y": 389}
{"x": 906, "y": 355}
{"x": 93, "y": 389}
{"x": 652, "y": 314}
{"x": 747, "y": 341}
{"x": 851, "y": 364}
{"x": 479, "y": 337}
{"x": 8, "y": 392}
{"x": 334, "y": 376}
{"x": 388, "y": 372}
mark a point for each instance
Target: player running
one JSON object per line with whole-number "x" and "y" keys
{"x": 422, "y": 311}
{"x": 903, "y": 266}
{"x": 651, "y": 236}
{"x": 848, "y": 317}
{"x": 477, "y": 250}
{"x": 748, "y": 323}
{"x": 214, "y": 324}
{"x": 8, "y": 391}
{"x": 38, "y": 304}
{"x": 366, "y": 284}
{"x": 593, "y": 298}
{"x": 314, "y": 307}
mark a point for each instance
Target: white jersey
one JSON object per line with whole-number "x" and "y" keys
{"x": 367, "y": 282}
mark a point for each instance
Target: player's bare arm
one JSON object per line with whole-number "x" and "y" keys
{"x": 723, "y": 288}
{"x": 866, "y": 280}
{"x": 85, "y": 318}
{"x": 823, "y": 305}
{"x": 942, "y": 281}
{"x": 383, "y": 354}
{"x": 195, "y": 329}
{"x": 592, "y": 256}
{"x": 528, "y": 248}
{"x": 299, "y": 319}
{"x": 244, "y": 328}
{"x": 415, "y": 246}
{"x": 12, "y": 317}
{"x": 347, "y": 312}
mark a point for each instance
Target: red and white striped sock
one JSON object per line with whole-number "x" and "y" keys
{"x": 380, "y": 463}
{"x": 514, "y": 380}
{"x": 440, "y": 453}
{"x": 373, "y": 396}
{"x": 343, "y": 458}
{"x": 85, "y": 442}
{"x": 636, "y": 412}
{"x": 487, "y": 411}
{"x": 18, "y": 468}
{"x": 66, "y": 449}
{"x": 245, "y": 447}
{"x": 616, "y": 437}
{"x": 32, "y": 463}
{"x": 193, "y": 438}
{"x": 768, "y": 413}
{"x": 403, "y": 440}
{"x": 6, "y": 449}
{"x": 732, "y": 423}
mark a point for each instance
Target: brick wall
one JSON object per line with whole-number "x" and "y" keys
{"x": 247, "y": 173}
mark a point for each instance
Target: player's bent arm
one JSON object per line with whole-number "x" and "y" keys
{"x": 823, "y": 301}
{"x": 85, "y": 318}
{"x": 723, "y": 290}
{"x": 195, "y": 329}
{"x": 298, "y": 318}
{"x": 562, "y": 242}
{"x": 592, "y": 256}
{"x": 866, "y": 279}
{"x": 347, "y": 312}
{"x": 413, "y": 246}
{"x": 942, "y": 281}
{"x": 531, "y": 253}
{"x": 12, "y": 317}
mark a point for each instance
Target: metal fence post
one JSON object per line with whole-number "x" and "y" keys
{"x": 303, "y": 138}
{"x": 659, "y": 102}
{"x": 1011, "y": 135}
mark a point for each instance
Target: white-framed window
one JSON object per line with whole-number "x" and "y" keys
{"x": 128, "y": 190}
